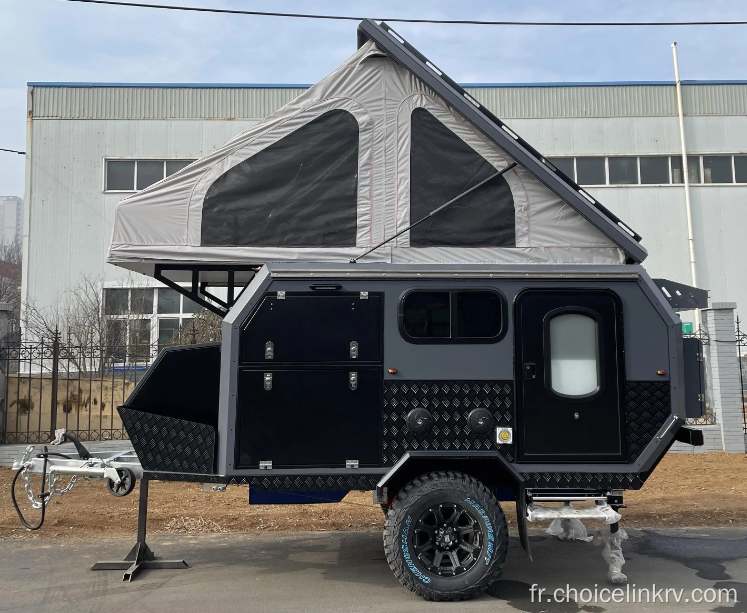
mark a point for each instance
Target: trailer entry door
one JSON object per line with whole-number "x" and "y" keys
{"x": 569, "y": 373}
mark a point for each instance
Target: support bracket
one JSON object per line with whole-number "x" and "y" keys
{"x": 141, "y": 556}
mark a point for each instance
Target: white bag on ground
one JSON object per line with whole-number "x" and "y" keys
{"x": 569, "y": 530}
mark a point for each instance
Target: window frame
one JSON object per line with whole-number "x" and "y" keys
{"x": 547, "y": 348}
{"x": 105, "y": 170}
{"x": 451, "y": 339}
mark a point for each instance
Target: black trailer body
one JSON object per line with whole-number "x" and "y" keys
{"x": 321, "y": 366}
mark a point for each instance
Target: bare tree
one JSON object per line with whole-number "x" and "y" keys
{"x": 10, "y": 275}
{"x": 79, "y": 319}
{"x": 203, "y": 327}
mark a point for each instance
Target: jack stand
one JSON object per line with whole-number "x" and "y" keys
{"x": 140, "y": 555}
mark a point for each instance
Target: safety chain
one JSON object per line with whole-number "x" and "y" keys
{"x": 53, "y": 478}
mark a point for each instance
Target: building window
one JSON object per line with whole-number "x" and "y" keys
{"x": 717, "y": 169}
{"x": 574, "y": 355}
{"x": 132, "y": 175}
{"x": 693, "y": 169}
{"x": 590, "y": 171}
{"x": 169, "y": 301}
{"x": 140, "y": 318}
{"x": 452, "y": 317}
{"x": 740, "y": 168}
{"x": 116, "y": 301}
{"x": 654, "y": 170}
{"x": 565, "y": 165}
{"x": 623, "y": 170}
{"x": 167, "y": 329}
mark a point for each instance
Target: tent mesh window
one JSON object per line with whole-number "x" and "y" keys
{"x": 443, "y": 166}
{"x": 301, "y": 191}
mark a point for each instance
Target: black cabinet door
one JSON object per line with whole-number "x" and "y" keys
{"x": 314, "y": 328}
{"x": 569, "y": 373}
{"x": 309, "y": 418}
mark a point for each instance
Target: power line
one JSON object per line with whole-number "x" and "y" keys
{"x": 472, "y": 22}
{"x": 14, "y": 151}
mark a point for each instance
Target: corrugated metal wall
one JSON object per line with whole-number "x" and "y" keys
{"x": 158, "y": 103}
{"x": 506, "y": 102}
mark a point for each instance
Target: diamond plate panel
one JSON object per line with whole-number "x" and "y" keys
{"x": 647, "y": 406}
{"x": 450, "y": 403}
{"x": 170, "y": 444}
{"x": 295, "y": 483}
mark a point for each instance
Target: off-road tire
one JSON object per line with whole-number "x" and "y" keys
{"x": 415, "y": 498}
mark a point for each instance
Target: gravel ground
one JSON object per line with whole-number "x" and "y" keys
{"x": 684, "y": 490}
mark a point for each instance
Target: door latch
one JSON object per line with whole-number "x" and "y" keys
{"x": 530, "y": 370}
{"x": 353, "y": 380}
{"x": 268, "y": 381}
{"x": 354, "y": 349}
{"x": 269, "y": 350}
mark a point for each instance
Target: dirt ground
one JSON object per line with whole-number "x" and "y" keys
{"x": 685, "y": 490}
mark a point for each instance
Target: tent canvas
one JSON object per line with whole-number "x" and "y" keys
{"x": 379, "y": 143}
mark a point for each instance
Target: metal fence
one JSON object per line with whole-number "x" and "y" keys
{"x": 50, "y": 384}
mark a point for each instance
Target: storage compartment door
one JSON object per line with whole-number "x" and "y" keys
{"x": 309, "y": 418}
{"x": 314, "y": 328}
{"x": 569, "y": 373}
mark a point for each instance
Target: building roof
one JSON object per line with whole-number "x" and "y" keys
{"x": 85, "y": 84}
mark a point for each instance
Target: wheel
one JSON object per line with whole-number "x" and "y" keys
{"x": 126, "y": 483}
{"x": 445, "y": 537}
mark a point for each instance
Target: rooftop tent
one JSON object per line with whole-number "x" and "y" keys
{"x": 378, "y": 144}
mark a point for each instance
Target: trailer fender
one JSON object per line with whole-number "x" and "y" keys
{"x": 487, "y": 466}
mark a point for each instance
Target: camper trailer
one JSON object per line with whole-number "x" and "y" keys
{"x": 417, "y": 303}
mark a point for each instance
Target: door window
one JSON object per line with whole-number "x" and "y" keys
{"x": 574, "y": 355}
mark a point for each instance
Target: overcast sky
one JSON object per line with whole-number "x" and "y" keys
{"x": 52, "y": 40}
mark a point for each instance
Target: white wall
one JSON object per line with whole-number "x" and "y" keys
{"x": 70, "y": 216}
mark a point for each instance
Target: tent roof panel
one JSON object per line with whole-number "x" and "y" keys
{"x": 388, "y": 41}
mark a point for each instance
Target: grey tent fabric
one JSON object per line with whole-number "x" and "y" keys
{"x": 299, "y": 192}
{"x": 258, "y": 198}
{"x": 443, "y": 166}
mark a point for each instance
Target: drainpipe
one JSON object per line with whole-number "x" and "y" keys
{"x": 685, "y": 175}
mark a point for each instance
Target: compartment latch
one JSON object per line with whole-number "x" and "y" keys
{"x": 354, "y": 349}
{"x": 269, "y": 350}
{"x": 268, "y": 381}
{"x": 353, "y": 380}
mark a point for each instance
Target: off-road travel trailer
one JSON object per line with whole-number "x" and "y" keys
{"x": 509, "y": 347}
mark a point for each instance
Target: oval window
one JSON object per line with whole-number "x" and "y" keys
{"x": 574, "y": 355}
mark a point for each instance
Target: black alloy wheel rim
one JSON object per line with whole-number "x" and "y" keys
{"x": 447, "y": 539}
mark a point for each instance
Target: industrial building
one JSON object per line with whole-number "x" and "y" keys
{"x": 90, "y": 145}
{"x": 11, "y": 220}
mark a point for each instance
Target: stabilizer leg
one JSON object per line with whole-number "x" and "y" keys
{"x": 141, "y": 556}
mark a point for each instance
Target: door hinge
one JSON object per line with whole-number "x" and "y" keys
{"x": 281, "y": 295}
{"x": 351, "y": 463}
{"x": 353, "y": 380}
{"x": 268, "y": 381}
{"x": 269, "y": 350}
{"x": 354, "y": 349}
{"x": 265, "y": 465}
{"x": 701, "y": 397}
{"x": 364, "y": 295}
{"x": 700, "y": 357}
